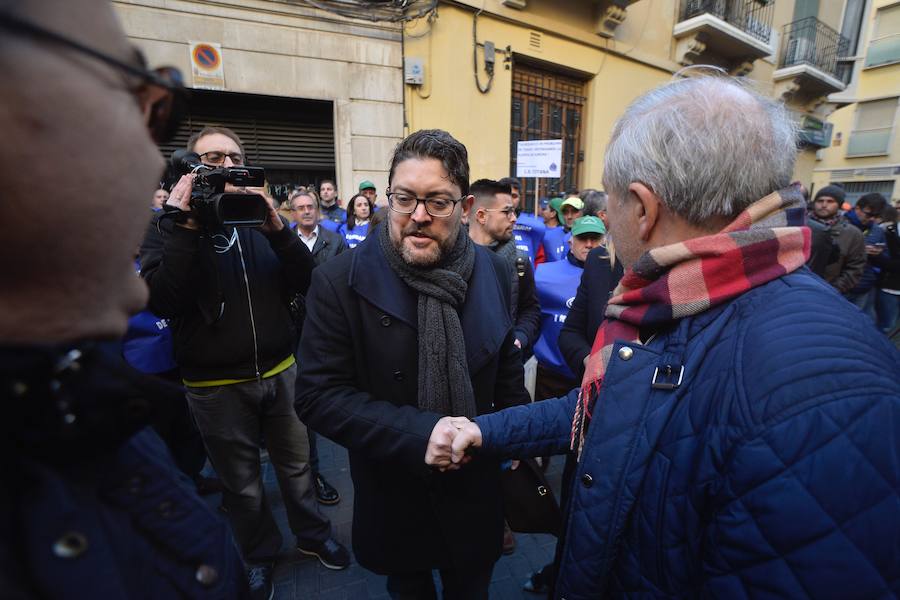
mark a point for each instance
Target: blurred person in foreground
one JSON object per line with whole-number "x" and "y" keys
{"x": 409, "y": 327}
{"x": 93, "y": 506}
{"x": 724, "y": 444}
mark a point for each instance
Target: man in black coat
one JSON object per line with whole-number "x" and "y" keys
{"x": 322, "y": 242}
{"x": 410, "y": 326}
{"x": 491, "y": 225}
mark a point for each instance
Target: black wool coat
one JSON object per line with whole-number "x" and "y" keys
{"x": 358, "y": 386}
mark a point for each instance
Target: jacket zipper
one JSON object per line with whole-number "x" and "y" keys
{"x": 250, "y": 305}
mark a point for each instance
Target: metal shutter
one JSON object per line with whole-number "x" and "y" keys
{"x": 284, "y": 133}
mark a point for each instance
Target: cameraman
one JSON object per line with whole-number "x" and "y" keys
{"x": 227, "y": 291}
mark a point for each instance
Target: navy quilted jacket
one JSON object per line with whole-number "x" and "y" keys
{"x": 772, "y": 470}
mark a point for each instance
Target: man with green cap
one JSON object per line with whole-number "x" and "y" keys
{"x": 556, "y": 284}
{"x": 550, "y": 212}
{"x": 556, "y": 241}
{"x": 367, "y": 189}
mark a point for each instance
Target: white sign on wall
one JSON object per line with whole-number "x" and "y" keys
{"x": 206, "y": 65}
{"x": 538, "y": 158}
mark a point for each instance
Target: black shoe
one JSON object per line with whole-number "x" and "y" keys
{"x": 325, "y": 492}
{"x": 260, "y": 578}
{"x": 330, "y": 553}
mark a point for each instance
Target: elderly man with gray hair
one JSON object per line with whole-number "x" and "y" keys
{"x": 721, "y": 443}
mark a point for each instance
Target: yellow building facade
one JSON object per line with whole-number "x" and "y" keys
{"x": 327, "y": 89}
{"x": 864, "y": 155}
{"x": 494, "y": 72}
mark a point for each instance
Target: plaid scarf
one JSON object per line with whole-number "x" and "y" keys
{"x": 668, "y": 283}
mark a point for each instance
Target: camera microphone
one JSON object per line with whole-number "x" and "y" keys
{"x": 185, "y": 161}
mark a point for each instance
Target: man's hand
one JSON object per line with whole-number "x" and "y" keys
{"x": 440, "y": 443}
{"x": 468, "y": 436}
{"x": 180, "y": 198}
{"x": 274, "y": 222}
{"x": 873, "y": 250}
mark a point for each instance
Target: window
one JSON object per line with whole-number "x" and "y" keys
{"x": 885, "y": 45}
{"x": 547, "y": 106}
{"x": 851, "y": 28}
{"x": 855, "y": 189}
{"x": 874, "y": 125}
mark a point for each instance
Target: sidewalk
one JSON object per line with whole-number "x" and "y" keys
{"x": 298, "y": 577}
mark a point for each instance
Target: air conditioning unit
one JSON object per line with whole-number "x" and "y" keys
{"x": 799, "y": 50}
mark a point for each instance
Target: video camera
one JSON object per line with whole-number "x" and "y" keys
{"x": 210, "y": 205}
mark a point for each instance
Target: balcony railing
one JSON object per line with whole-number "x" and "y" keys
{"x": 811, "y": 42}
{"x": 753, "y": 17}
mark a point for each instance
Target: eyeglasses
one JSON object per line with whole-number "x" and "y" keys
{"x": 508, "y": 211}
{"x": 436, "y": 207}
{"x": 161, "y": 95}
{"x": 871, "y": 215}
{"x": 218, "y": 158}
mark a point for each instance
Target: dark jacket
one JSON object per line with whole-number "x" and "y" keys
{"x": 598, "y": 281}
{"x": 92, "y": 506}
{"x": 890, "y": 272}
{"x": 333, "y": 213}
{"x": 874, "y": 235}
{"x": 844, "y": 273}
{"x": 328, "y": 245}
{"x": 527, "y": 323}
{"x": 358, "y": 386}
{"x": 227, "y": 296}
{"x": 769, "y": 471}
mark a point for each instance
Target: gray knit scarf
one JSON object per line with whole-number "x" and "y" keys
{"x": 509, "y": 253}
{"x": 444, "y": 384}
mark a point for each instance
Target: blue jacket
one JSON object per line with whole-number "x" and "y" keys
{"x": 354, "y": 236}
{"x": 529, "y": 234}
{"x": 874, "y": 236}
{"x": 147, "y": 345}
{"x": 556, "y": 243}
{"x": 771, "y": 470}
{"x": 97, "y": 508}
{"x": 557, "y": 282}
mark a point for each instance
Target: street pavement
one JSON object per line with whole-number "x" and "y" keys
{"x": 298, "y": 577}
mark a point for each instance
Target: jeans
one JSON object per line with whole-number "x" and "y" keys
{"x": 887, "y": 308}
{"x": 865, "y": 301}
{"x": 232, "y": 419}
{"x": 469, "y": 584}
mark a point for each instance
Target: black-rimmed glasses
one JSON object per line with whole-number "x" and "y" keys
{"x": 218, "y": 158}
{"x": 508, "y": 211}
{"x": 436, "y": 207}
{"x": 161, "y": 95}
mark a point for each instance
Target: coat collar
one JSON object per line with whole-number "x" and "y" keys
{"x": 323, "y": 239}
{"x": 484, "y": 316}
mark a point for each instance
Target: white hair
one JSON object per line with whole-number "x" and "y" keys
{"x": 707, "y": 146}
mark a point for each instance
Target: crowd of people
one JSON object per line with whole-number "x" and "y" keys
{"x": 708, "y": 360}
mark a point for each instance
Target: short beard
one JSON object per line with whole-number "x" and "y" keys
{"x": 414, "y": 259}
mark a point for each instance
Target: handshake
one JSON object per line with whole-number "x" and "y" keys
{"x": 449, "y": 441}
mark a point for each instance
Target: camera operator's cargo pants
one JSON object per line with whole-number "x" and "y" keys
{"x": 233, "y": 421}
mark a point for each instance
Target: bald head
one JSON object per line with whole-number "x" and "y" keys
{"x": 708, "y": 146}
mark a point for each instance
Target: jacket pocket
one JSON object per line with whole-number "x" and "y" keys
{"x": 203, "y": 393}
{"x": 661, "y": 473}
